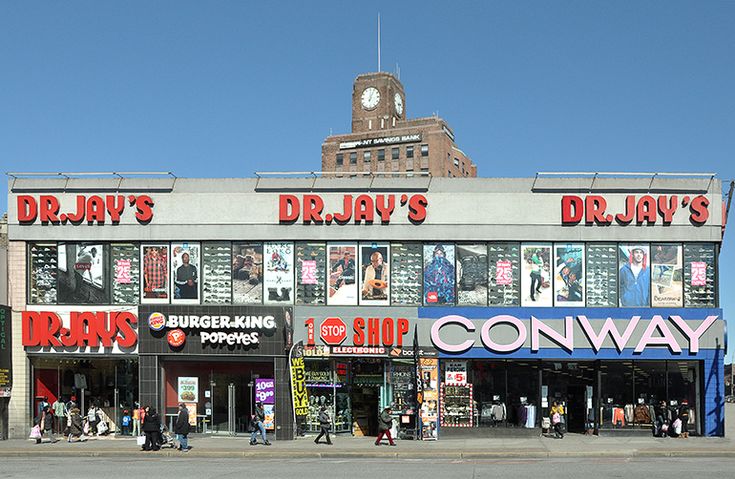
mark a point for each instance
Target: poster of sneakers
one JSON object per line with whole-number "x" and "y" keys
{"x": 82, "y": 279}
{"x": 125, "y": 273}
{"x": 569, "y": 274}
{"x": 472, "y": 274}
{"x": 699, "y": 275}
{"x": 44, "y": 270}
{"x": 217, "y": 268}
{"x": 185, "y": 272}
{"x": 342, "y": 274}
{"x": 666, "y": 276}
{"x": 278, "y": 280}
{"x": 374, "y": 274}
{"x": 406, "y": 273}
{"x": 536, "y": 275}
{"x": 504, "y": 274}
{"x": 439, "y": 275}
{"x": 247, "y": 273}
{"x": 634, "y": 275}
{"x": 311, "y": 277}
{"x": 155, "y": 274}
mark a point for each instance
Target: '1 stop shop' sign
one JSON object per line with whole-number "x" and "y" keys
{"x": 333, "y": 331}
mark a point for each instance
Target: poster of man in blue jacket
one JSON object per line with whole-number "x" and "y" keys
{"x": 635, "y": 275}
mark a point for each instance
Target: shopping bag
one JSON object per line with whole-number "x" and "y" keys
{"x": 35, "y": 432}
{"x": 140, "y": 440}
{"x": 86, "y": 428}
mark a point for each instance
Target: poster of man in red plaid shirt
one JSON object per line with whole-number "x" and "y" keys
{"x": 155, "y": 273}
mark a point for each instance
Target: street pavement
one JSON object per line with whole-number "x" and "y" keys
{"x": 345, "y": 447}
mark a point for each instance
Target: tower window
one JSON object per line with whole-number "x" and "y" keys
{"x": 394, "y": 153}
{"x": 381, "y": 154}
{"x": 409, "y": 151}
{"x": 424, "y": 150}
{"x": 353, "y": 158}
{"x": 340, "y": 159}
{"x": 366, "y": 156}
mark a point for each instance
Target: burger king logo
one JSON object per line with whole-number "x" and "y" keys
{"x": 156, "y": 321}
{"x": 176, "y": 338}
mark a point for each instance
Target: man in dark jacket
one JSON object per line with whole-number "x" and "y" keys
{"x": 182, "y": 428}
{"x": 76, "y": 429}
{"x": 325, "y": 423}
{"x": 152, "y": 429}
{"x": 385, "y": 422}
{"x": 256, "y": 423}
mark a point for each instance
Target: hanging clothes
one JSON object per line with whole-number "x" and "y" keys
{"x": 629, "y": 413}
{"x": 530, "y": 416}
{"x": 618, "y": 418}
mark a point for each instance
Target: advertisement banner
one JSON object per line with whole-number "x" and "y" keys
{"x": 269, "y": 423}
{"x": 81, "y": 277}
{"x": 342, "y": 274}
{"x": 667, "y": 287}
{"x": 154, "y": 287}
{"x": 185, "y": 259}
{"x": 455, "y": 373}
{"x": 279, "y": 273}
{"x": 188, "y": 390}
{"x": 247, "y": 273}
{"x": 374, "y": 274}
{"x": 569, "y": 275}
{"x": 6, "y": 365}
{"x": 430, "y": 401}
{"x": 536, "y": 275}
{"x": 634, "y": 275}
{"x": 265, "y": 390}
{"x": 439, "y": 276}
{"x": 299, "y": 394}
{"x": 191, "y": 408}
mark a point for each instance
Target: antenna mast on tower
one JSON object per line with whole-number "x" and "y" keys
{"x": 378, "y": 41}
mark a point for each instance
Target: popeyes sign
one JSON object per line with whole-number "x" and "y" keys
{"x": 92, "y": 209}
{"x": 594, "y": 210}
{"x": 367, "y": 209}
{"x": 62, "y": 330}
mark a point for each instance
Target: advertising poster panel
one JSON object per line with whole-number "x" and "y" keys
{"x": 188, "y": 390}
{"x": 342, "y": 274}
{"x": 472, "y": 274}
{"x": 536, "y": 274}
{"x": 126, "y": 273}
{"x": 569, "y": 287}
{"x": 154, "y": 287}
{"x": 439, "y": 275}
{"x": 247, "y": 273}
{"x": 279, "y": 274}
{"x": 374, "y": 274}
{"x": 430, "y": 400}
{"x": 185, "y": 259}
{"x": 667, "y": 288}
{"x": 6, "y": 365}
{"x": 634, "y": 275}
{"x": 82, "y": 278}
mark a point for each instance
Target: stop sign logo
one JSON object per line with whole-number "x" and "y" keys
{"x": 333, "y": 331}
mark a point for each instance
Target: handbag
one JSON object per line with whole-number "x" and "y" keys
{"x": 35, "y": 432}
{"x": 140, "y": 440}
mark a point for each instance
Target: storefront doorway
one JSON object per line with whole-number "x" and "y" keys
{"x": 365, "y": 395}
{"x": 571, "y": 385}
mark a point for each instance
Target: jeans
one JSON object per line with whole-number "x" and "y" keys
{"x": 136, "y": 427}
{"x": 183, "y": 441}
{"x": 535, "y": 285}
{"x": 254, "y": 434}
{"x": 558, "y": 431}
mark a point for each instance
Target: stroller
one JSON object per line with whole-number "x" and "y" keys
{"x": 167, "y": 440}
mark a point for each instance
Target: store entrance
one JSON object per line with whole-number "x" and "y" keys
{"x": 571, "y": 385}
{"x": 365, "y": 409}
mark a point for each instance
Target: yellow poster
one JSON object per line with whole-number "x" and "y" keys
{"x": 298, "y": 387}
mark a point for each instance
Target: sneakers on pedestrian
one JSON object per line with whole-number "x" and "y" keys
{"x": 252, "y": 443}
{"x": 266, "y": 443}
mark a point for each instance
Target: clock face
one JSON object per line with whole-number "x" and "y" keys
{"x": 398, "y": 101}
{"x": 370, "y": 98}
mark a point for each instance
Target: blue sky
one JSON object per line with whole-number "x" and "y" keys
{"x": 226, "y": 88}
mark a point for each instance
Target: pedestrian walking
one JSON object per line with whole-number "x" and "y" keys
{"x": 385, "y": 422}
{"x": 76, "y": 428}
{"x": 152, "y": 430}
{"x": 557, "y": 411}
{"x": 47, "y": 423}
{"x": 256, "y": 423}
{"x": 182, "y": 428}
{"x": 684, "y": 417}
{"x": 325, "y": 424}
{"x": 93, "y": 418}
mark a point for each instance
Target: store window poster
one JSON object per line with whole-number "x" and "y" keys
{"x": 155, "y": 274}
{"x": 536, "y": 273}
{"x": 429, "y": 399}
{"x": 569, "y": 277}
{"x": 374, "y": 274}
{"x": 439, "y": 274}
{"x": 342, "y": 274}
{"x": 472, "y": 274}
{"x": 185, "y": 259}
{"x": 279, "y": 273}
{"x": 634, "y": 275}
{"x": 82, "y": 273}
{"x": 247, "y": 273}
{"x": 188, "y": 389}
{"x": 667, "y": 288}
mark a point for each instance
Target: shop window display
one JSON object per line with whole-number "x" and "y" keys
{"x": 247, "y": 273}
{"x": 342, "y": 274}
{"x": 536, "y": 270}
{"x": 43, "y": 269}
{"x": 327, "y": 388}
{"x": 310, "y": 273}
{"x": 185, "y": 272}
{"x": 125, "y": 273}
{"x": 375, "y": 274}
{"x": 682, "y": 391}
{"x": 504, "y": 274}
{"x": 649, "y": 379}
{"x": 634, "y": 275}
{"x": 699, "y": 275}
{"x": 83, "y": 273}
{"x": 472, "y": 273}
{"x": 523, "y": 384}
{"x": 278, "y": 279}
{"x": 569, "y": 279}
{"x": 439, "y": 274}
{"x": 217, "y": 262}
{"x": 489, "y": 381}
{"x": 155, "y": 274}
{"x": 617, "y": 398}
{"x": 602, "y": 275}
{"x": 406, "y": 275}
{"x": 666, "y": 276}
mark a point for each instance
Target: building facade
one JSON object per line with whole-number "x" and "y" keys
{"x": 470, "y": 305}
{"x": 384, "y": 140}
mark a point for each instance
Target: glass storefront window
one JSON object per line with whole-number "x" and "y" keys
{"x": 406, "y": 273}
{"x": 247, "y": 273}
{"x": 682, "y": 387}
{"x": 217, "y": 262}
{"x": 650, "y": 390}
{"x": 699, "y": 275}
{"x": 310, "y": 273}
{"x": 472, "y": 274}
{"x": 504, "y": 279}
{"x": 125, "y": 273}
{"x": 617, "y": 398}
{"x": 42, "y": 272}
{"x": 488, "y": 381}
{"x": 83, "y": 273}
{"x": 523, "y": 386}
{"x": 666, "y": 276}
{"x": 602, "y": 275}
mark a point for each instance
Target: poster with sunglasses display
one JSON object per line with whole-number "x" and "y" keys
{"x": 569, "y": 275}
{"x": 154, "y": 287}
{"x": 125, "y": 273}
{"x": 699, "y": 275}
{"x": 217, "y": 264}
{"x": 406, "y": 273}
{"x": 185, "y": 272}
{"x": 247, "y": 273}
{"x": 82, "y": 279}
{"x": 667, "y": 290}
{"x": 279, "y": 273}
{"x": 43, "y": 271}
{"x": 439, "y": 274}
{"x": 311, "y": 259}
{"x": 472, "y": 274}
{"x": 342, "y": 274}
{"x": 374, "y": 274}
{"x": 536, "y": 271}
{"x": 602, "y": 275}
{"x": 634, "y": 275}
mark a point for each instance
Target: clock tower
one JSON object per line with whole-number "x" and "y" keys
{"x": 378, "y": 102}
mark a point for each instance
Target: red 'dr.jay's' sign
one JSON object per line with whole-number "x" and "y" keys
{"x": 593, "y": 210}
